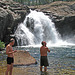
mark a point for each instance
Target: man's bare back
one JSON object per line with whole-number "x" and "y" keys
{"x": 43, "y": 51}
{"x": 43, "y": 57}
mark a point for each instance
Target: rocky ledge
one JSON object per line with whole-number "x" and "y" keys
{"x": 23, "y": 58}
{"x": 11, "y": 14}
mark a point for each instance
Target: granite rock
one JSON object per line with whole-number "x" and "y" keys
{"x": 23, "y": 58}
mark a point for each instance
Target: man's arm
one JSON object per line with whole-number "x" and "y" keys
{"x": 48, "y": 50}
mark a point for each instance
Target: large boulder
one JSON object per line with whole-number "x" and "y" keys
{"x": 23, "y": 58}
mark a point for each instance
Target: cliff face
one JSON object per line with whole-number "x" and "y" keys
{"x": 11, "y": 14}
{"x": 62, "y": 14}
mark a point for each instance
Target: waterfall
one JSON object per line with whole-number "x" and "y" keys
{"x": 37, "y": 27}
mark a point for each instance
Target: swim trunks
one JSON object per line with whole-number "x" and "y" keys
{"x": 43, "y": 61}
{"x": 10, "y": 60}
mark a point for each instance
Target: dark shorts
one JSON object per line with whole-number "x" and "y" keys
{"x": 44, "y": 61}
{"x": 10, "y": 60}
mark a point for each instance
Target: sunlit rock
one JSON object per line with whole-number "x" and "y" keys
{"x": 23, "y": 58}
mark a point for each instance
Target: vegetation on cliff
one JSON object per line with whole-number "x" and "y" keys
{"x": 2, "y": 44}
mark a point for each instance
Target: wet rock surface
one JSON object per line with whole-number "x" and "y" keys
{"x": 23, "y": 58}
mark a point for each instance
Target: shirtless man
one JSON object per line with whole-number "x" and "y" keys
{"x": 43, "y": 58}
{"x": 10, "y": 58}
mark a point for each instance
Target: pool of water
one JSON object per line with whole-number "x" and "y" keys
{"x": 63, "y": 57}
{"x": 59, "y": 58}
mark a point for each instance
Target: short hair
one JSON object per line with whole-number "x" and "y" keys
{"x": 11, "y": 40}
{"x": 43, "y": 42}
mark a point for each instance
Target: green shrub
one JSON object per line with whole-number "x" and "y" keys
{"x": 2, "y": 44}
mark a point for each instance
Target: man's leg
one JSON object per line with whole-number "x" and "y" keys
{"x": 8, "y": 69}
{"x": 45, "y": 69}
{"x": 11, "y": 69}
{"x": 40, "y": 68}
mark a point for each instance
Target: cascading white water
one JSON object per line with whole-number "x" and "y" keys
{"x": 36, "y": 27}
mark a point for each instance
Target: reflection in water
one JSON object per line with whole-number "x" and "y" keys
{"x": 44, "y": 73}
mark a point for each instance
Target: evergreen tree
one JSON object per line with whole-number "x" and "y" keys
{"x": 32, "y": 2}
{"x": 36, "y": 2}
{"x": 39, "y": 1}
{"x": 29, "y": 2}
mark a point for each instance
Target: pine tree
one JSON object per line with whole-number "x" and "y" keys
{"x": 29, "y": 2}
